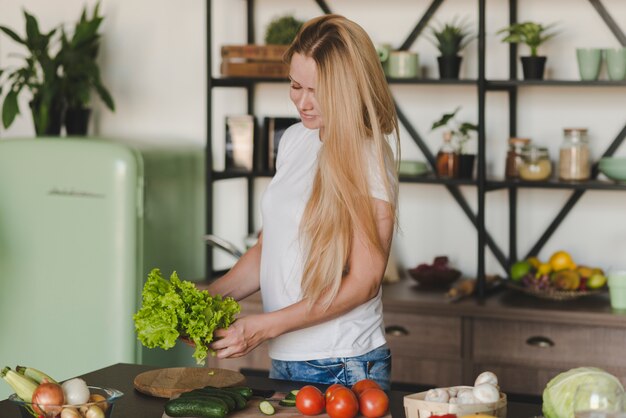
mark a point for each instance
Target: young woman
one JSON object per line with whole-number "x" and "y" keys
{"x": 328, "y": 219}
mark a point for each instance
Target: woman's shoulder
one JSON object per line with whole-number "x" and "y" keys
{"x": 296, "y": 135}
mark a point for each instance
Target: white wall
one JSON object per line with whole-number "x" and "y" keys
{"x": 153, "y": 61}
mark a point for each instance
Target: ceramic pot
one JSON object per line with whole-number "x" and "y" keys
{"x": 533, "y": 67}
{"x": 449, "y": 66}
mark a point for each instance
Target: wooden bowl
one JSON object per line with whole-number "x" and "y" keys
{"x": 435, "y": 279}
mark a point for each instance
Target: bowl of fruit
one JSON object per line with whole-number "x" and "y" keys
{"x": 438, "y": 275}
{"x": 40, "y": 396}
{"x": 559, "y": 278}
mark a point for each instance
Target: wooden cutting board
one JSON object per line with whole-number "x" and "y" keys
{"x": 165, "y": 383}
{"x": 252, "y": 410}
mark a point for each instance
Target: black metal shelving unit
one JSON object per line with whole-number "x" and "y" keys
{"x": 482, "y": 182}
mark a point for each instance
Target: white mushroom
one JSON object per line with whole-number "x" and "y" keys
{"x": 453, "y": 400}
{"x": 486, "y": 377}
{"x": 437, "y": 395}
{"x": 486, "y": 393}
{"x": 466, "y": 397}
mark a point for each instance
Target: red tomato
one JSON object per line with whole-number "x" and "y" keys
{"x": 331, "y": 389}
{"x": 373, "y": 403}
{"x": 363, "y": 384}
{"x": 342, "y": 404}
{"x": 444, "y": 416}
{"x": 310, "y": 400}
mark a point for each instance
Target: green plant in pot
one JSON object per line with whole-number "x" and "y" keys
{"x": 460, "y": 133}
{"x": 38, "y": 75}
{"x": 450, "y": 39}
{"x": 533, "y": 35}
{"x": 282, "y": 30}
{"x": 81, "y": 73}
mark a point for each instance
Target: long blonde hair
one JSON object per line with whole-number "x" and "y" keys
{"x": 359, "y": 116}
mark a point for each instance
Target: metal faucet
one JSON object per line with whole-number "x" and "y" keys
{"x": 223, "y": 245}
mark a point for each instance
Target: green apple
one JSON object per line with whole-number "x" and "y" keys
{"x": 596, "y": 281}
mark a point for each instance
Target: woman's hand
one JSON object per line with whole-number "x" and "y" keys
{"x": 241, "y": 337}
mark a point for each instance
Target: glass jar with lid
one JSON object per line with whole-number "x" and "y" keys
{"x": 537, "y": 165}
{"x": 574, "y": 155}
{"x": 514, "y": 156}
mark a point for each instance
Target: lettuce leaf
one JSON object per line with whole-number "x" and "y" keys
{"x": 174, "y": 308}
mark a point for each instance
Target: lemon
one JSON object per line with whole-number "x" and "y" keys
{"x": 561, "y": 260}
{"x": 519, "y": 269}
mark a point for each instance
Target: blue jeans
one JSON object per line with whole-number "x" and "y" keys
{"x": 375, "y": 365}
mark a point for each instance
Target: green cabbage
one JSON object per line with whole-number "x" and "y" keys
{"x": 558, "y": 396}
{"x": 175, "y": 308}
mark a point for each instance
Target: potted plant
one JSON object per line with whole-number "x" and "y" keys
{"x": 81, "y": 74}
{"x": 38, "y": 75}
{"x": 461, "y": 134}
{"x": 282, "y": 30}
{"x": 534, "y": 35}
{"x": 450, "y": 39}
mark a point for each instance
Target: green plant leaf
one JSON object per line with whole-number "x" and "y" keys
{"x": 10, "y": 109}
{"x": 447, "y": 117}
{"x": 13, "y": 35}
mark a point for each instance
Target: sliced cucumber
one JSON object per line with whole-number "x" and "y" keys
{"x": 267, "y": 408}
{"x": 287, "y": 402}
{"x": 291, "y": 396}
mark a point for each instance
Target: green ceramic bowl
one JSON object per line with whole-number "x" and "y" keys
{"x": 413, "y": 168}
{"x": 613, "y": 167}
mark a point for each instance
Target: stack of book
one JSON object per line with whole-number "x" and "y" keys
{"x": 254, "y": 61}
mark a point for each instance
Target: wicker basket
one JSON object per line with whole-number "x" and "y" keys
{"x": 416, "y": 407}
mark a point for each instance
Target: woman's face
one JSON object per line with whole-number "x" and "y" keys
{"x": 303, "y": 76}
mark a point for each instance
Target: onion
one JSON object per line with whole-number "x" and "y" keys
{"x": 76, "y": 391}
{"x": 48, "y": 397}
{"x": 94, "y": 412}
{"x": 70, "y": 413}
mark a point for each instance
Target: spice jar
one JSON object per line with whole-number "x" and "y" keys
{"x": 574, "y": 156}
{"x": 448, "y": 158}
{"x": 514, "y": 157}
{"x": 536, "y": 165}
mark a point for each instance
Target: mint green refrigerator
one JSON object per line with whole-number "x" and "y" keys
{"x": 82, "y": 221}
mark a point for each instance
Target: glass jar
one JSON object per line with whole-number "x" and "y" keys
{"x": 574, "y": 155}
{"x": 514, "y": 156}
{"x": 447, "y": 158}
{"x": 536, "y": 165}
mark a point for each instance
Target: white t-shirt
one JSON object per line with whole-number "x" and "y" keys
{"x": 352, "y": 334}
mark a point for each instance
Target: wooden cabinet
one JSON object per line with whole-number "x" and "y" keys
{"x": 525, "y": 341}
{"x": 425, "y": 348}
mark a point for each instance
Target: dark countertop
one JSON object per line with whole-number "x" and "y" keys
{"x": 406, "y": 296}
{"x": 137, "y": 405}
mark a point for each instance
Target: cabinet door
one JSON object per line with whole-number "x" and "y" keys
{"x": 526, "y": 355}
{"x": 425, "y": 349}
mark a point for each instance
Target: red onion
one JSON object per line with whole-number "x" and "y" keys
{"x": 48, "y": 397}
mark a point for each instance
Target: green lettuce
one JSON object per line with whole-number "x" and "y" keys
{"x": 558, "y": 396}
{"x": 174, "y": 308}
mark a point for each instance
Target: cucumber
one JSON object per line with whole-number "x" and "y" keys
{"x": 199, "y": 393}
{"x": 266, "y": 408}
{"x": 196, "y": 407}
{"x": 287, "y": 402}
{"x": 240, "y": 401}
{"x": 244, "y": 391}
{"x": 291, "y": 396}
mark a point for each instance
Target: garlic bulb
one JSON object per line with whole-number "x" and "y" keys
{"x": 437, "y": 395}
{"x": 486, "y": 377}
{"x": 486, "y": 393}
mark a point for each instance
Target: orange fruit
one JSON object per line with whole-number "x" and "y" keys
{"x": 561, "y": 260}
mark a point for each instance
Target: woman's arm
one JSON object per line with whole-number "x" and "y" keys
{"x": 243, "y": 279}
{"x": 362, "y": 283}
